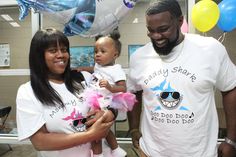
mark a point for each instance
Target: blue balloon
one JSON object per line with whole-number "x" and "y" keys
{"x": 227, "y": 20}
{"x": 47, "y": 6}
{"x": 86, "y": 18}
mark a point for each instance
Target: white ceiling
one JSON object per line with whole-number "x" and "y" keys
{"x": 8, "y": 2}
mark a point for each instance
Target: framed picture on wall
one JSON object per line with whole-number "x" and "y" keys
{"x": 81, "y": 56}
{"x": 132, "y": 49}
{"x": 4, "y": 55}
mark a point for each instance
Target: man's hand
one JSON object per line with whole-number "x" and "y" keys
{"x": 226, "y": 150}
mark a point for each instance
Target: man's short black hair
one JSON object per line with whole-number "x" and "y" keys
{"x": 160, "y": 6}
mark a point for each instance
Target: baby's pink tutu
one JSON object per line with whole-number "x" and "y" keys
{"x": 120, "y": 101}
{"x": 123, "y": 101}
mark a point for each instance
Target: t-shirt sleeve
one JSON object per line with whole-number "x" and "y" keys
{"x": 29, "y": 113}
{"x": 133, "y": 73}
{"x": 87, "y": 76}
{"x": 132, "y": 85}
{"x": 226, "y": 78}
{"x": 118, "y": 73}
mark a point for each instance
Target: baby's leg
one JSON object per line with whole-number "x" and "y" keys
{"x": 97, "y": 148}
{"x": 111, "y": 140}
{"x": 116, "y": 150}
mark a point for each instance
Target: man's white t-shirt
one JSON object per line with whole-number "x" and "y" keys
{"x": 179, "y": 114}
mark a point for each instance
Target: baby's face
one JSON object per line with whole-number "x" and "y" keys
{"x": 105, "y": 51}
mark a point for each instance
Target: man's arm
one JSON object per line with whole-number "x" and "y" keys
{"x": 229, "y": 103}
{"x": 134, "y": 119}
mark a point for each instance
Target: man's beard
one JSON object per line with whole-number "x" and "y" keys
{"x": 168, "y": 47}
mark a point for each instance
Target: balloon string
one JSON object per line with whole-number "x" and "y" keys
{"x": 204, "y": 34}
{"x": 222, "y": 37}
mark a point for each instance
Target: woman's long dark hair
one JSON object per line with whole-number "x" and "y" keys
{"x": 42, "y": 40}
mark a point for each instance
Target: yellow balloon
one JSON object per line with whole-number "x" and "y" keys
{"x": 205, "y": 15}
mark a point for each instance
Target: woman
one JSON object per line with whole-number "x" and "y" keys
{"x": 50, "y": 108}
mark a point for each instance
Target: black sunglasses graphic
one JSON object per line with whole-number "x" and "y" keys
{"x": 76, "y": 122}
{"x": 174, "y": 95}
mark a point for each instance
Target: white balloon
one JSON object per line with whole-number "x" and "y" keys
{"x": 107, "y": 17}
{"x": 86, "y": 18}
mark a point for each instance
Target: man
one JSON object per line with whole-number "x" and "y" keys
{"x": 175, "y": 76}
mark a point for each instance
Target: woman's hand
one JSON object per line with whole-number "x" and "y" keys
{"x": 100, "y": 127}
{"x": 109, "y": 116}
{"x": 93, "y": 116}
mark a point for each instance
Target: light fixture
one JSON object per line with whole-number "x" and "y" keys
{"x": 14, "y": 24}
{"x": 6, "y": 17}
{"x": 135, "y": 20}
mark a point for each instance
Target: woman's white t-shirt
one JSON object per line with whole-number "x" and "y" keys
{"x": 32, "y": 115}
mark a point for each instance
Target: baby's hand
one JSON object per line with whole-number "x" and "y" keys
{"x": 104, "y": 83}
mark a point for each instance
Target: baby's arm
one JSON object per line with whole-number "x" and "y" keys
{"x": 119, "y": 86}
